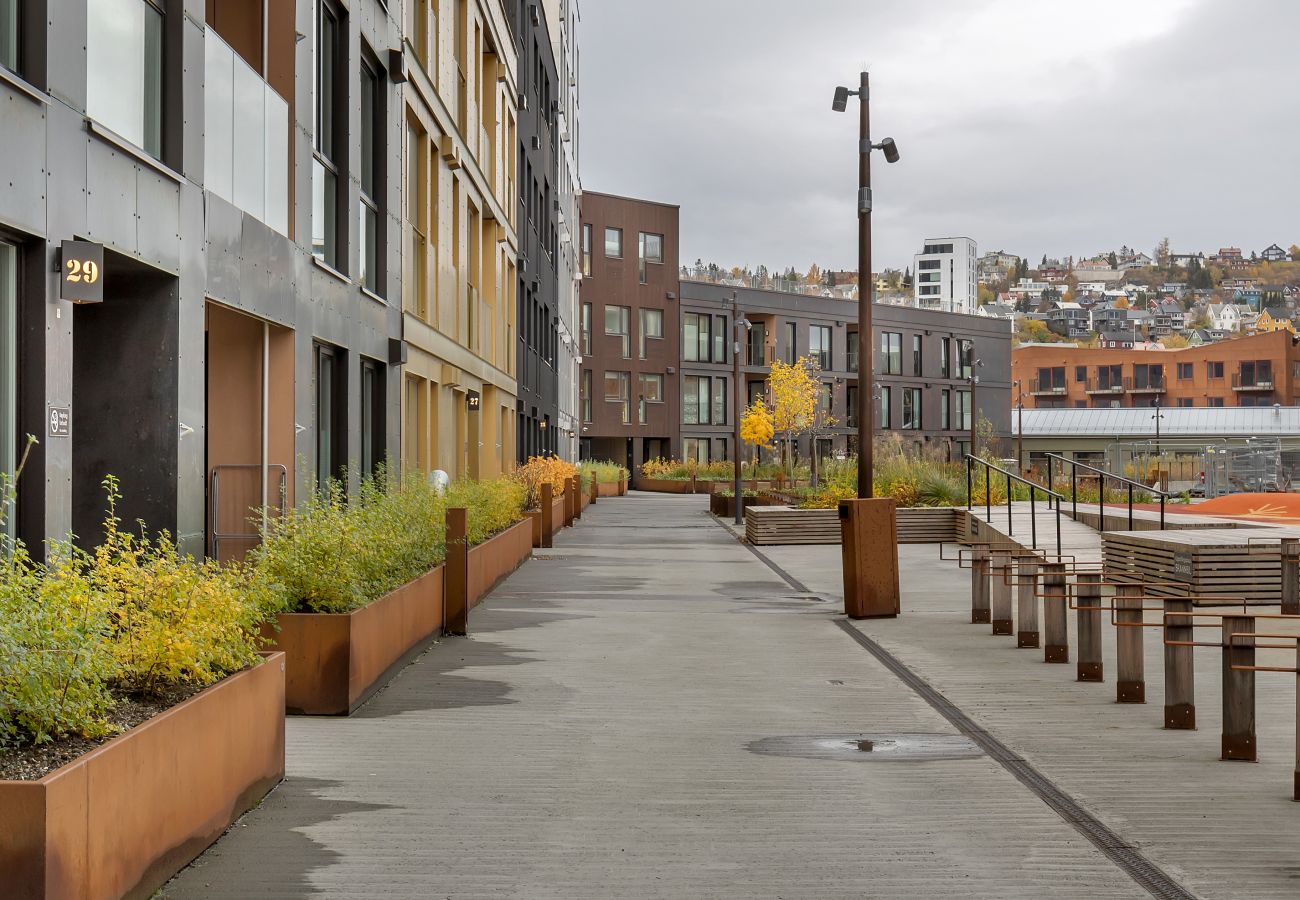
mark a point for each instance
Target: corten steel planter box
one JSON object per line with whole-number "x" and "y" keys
{"x": 122, "y": 819}
{"x": 557, "y": 515}
{"x": 608, "y": 489}
{"x": 535, "y": 519}
{"x": 491, "y": 561}
{"x": 666, "y": 486}
{"x": 336, "y": 660}
{"x": 726, "y": 506}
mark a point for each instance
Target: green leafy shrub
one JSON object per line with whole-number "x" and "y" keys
{"x": 331, "y": 556}
{"x": 603, "y": 471}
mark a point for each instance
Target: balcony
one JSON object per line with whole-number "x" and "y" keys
{"x": 1047, "y": 388}
{"x": 1106, "y": 386}
{"x": 763, "y": 355}
{"x": 1258, "y": 383}
{"x": 1147, "y": 386}
{"x": 246, "y": 136}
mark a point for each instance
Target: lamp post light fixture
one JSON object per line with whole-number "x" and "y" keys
{"x": 976, "y": 365}
{"x": 866, "y": 284}
{"x": 738, "y": 322}
{"x": 1020, "y": 427}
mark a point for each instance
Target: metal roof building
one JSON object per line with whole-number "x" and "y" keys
{"x": 1216, "y": 423}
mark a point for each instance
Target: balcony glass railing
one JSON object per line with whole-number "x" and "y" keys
{"x": 246, "y": 136}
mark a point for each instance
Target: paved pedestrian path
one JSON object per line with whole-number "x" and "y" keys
{"x": 593, "y": 737}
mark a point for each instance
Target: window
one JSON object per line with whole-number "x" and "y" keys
{"x": 326, "y": 199}
{"x": 1214, "y": 370}
{"x": 9, "y": 23}
{"x": 891, "y": 353}
{"x": 586, "y": 329}
{"x": 373, "y": 396}
{"x": 927, "y": 264}
{"x": 851, "y": 406}
{"x": 1255, "y": 373}
{"x": 330, "y": 414}
{"x": 819, "y": 345}
{"x": 617, "y": 389}
{"x": 1081, "y": 374}
{"x": 1214, "y": 401}
{"x": 586, "y": 395}
{"x": 123, "y": 68}
{"x": 911, "y": 408}
{"x": 373, "y": 122}
{"x": 825, "y": 397}
{"x": 852, "y": 354}
{"x": 696, "y": 449}
{"x": 1150, "y": 377}
{"x": 916, "y": 354}
{"x": 614, "y": 243}
{"x": 704, "y": 400}
{"x": 945, "y": 361}
{"x": 1184, "y": 402}
{"x": 586, "y": 251}
{"x": 651, "y": 391}
{"x": 965, "y": 358}
{"x": 1051, "y": 379}
{"x": 652, "y": 326}
{"x": 945, "y": 409}
{"x": 886, "y": 417}
{"x": 416, "y": 190}
{"x": 417, "y": 29}
{"x": 697, "y": 341}
{"x": 8, "y": 372}
{"x": 617, "y": 323}
{"x": 720, "y": 339}
{"x": 1110, "y": 378}
{"x": 415, "y": 424}
{"x": 791, "y": 343}
{"x": 963, "y": 410}
{"x": 650, "y": 249}
{"x": 1184, "y": 371}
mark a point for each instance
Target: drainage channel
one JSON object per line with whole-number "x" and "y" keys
{"x": 1155, "y": 880}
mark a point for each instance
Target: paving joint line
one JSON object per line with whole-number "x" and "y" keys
{"x": 1128, "y": 858}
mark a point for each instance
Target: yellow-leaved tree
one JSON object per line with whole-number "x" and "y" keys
{"x": 756, "y": 426}
{"x": 794, "y": 402}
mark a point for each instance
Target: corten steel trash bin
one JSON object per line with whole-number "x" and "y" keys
{"x": 869, "y": 544}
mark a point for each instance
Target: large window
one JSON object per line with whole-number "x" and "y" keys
{"x": 963, "y": 410}
{"x": 650, "y": 249}
{"x": 697, "y": 341}
{"x": 618, "y": 387}
{"x": 945, "y": 409}
{"x": 916, "y": 355}
{"x": 586, "y": 329}
{"x": 586, "y": 251}
{"x": 586, "y": 395}
{"x": 886, "y": 413}
{"x": 911, "y": 408}
{"x": 330, "y": 414}
{"x": 123, "y": 68}
{"x": 373, "y": 396}
{"x": 851, "y": 357}
{"x": 965, "y": 358}
{"x": 8, "y": 372}
{"x": 945, "y": 358}
{"x": 819, "y": 345}
{"x": 696, "y": 449}
{"x": 618, "y": 320}
{"x": 652, "y": 326}
{"x": 791, "y": 343}
{"x": 651, "y": 390}
{"x": 891, "y": 353}
{"x": 328, "y": 158}
{"x": 371, "y": 236}
{"x": 614, "y": 243}
{"x": 9, "y": 24}
{"x": 704, "y": 400}
{"x": 416, "y": 190}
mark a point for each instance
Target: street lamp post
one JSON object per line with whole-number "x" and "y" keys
{"x": 1020, "y": 428}
{"x": 866, "y": 285}
{"x": 976, "y": 365}
{"x": 738, "y": 322}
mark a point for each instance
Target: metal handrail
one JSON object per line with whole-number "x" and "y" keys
{"x": 1033, "y": 486}
{"x": 1075, "y": 465}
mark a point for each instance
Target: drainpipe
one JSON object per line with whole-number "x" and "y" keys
{"x": 266, "y": 414}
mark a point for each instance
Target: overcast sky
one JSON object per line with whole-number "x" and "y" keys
{"x": 1034, "y": 126}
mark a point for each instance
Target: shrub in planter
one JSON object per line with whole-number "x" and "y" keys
{"x": 603, "y": 471}
{"x": 540, "y": 470}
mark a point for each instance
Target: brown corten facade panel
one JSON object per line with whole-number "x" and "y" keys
{"x": 619, "y": 280}
{"x": 1247, "y": 371}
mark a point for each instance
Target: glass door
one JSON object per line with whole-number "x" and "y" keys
{"x": 8, "y": 381}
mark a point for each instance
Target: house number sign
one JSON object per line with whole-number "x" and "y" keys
{"x": 81, "y": 272}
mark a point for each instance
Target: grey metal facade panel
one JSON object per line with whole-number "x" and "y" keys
{"x": 111, "y": 207}
{"x": 22, "y": 160}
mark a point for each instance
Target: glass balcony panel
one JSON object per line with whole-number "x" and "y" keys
{"x": 249, "y": 141}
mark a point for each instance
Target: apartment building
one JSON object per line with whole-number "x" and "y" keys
{"x": 563, "y": 20}
{"x": 539, "y": 242}
{"x": 198, "y": 243}
{"x": 630, "y": 395}
{"x": 945, "y": 275}
{"x": 925, "y": 361}
{"x": 461, "y": 223}
{"x": 1263, "y": 370}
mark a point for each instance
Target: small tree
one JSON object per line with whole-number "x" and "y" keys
{"x": 794, "y": 402}
{"x": 756, "y": 426}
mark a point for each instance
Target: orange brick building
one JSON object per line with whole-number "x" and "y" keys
{"x": 1262, "y": 370}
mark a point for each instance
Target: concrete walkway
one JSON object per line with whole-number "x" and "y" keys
{"x": 591, "y": 738}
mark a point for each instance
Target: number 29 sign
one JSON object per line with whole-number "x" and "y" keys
{"x": 81, "y": 272}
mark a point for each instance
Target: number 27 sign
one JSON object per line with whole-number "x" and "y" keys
{"x": 81, "y": 272}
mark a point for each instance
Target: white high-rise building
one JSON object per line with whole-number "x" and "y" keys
{"x": 945, "y": 275}
{"x": 562, "y": 19}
